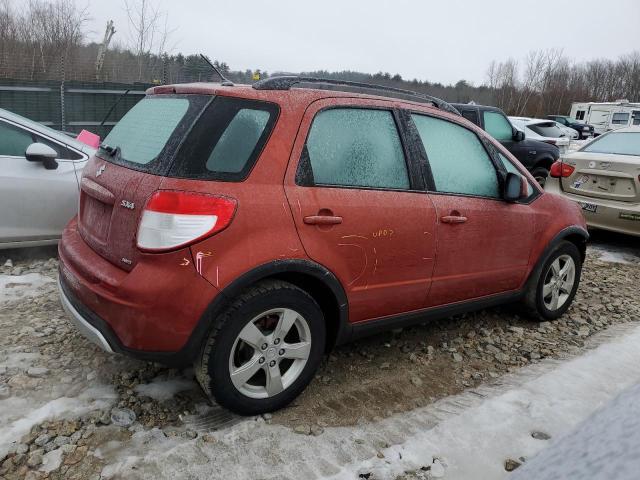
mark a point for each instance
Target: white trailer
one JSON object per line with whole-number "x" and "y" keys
{"x": 606, "y": 116}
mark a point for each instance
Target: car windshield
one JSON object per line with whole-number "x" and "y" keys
{"x": 547, "y": 129}
{"x": 619, "y": 143}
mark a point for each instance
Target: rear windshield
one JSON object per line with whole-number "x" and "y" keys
{"x": 619, "y": 143}
{"x": 191, "y": 136}
{"x": 548, "y": 129}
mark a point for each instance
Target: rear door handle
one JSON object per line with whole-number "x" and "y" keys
{"x": 322, "y": 220}
{"x": 453, "y": 219}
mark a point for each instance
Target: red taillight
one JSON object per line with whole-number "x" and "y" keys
{"x": 173, "y": 219}
{"x": 560, "y": 169}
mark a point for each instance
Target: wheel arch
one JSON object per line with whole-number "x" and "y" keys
{"x": 544, "y": 161}
{"x": 311, "y": 277}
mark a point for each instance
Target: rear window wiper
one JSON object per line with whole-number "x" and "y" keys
{"x": 113, "y": 152}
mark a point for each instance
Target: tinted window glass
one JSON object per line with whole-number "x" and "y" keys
{"x": 238, "y": 141}
{"x": 471, "y": 115}
{"x": 226, "y": 141}
{"x": 621, "y": 143}
{"x": 547, "y": 129}
{"x": 497, "y": 125}
{"x": 14, "y": 141}
{"x": 356, "y": 147}
{"x": 620, "y": 118}
{"x": 580, "y": 115}
{"x": 459, "y": 161}
{"x": 145, "y": 129}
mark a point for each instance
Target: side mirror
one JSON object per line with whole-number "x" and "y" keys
{"x": 518, "y": 136}
{"x": 515, "y": 187}
{"x": 39, "y": 152}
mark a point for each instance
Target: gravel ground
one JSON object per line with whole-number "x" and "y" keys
{"x": 65, "y": 405}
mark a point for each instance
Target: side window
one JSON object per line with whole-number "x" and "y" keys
{"x": 497, "y": 125}
{"x": 620, "y": 118}
{"x": 63, "y": 152}
{"x": 510, "y": 167}
{"x": 13, "y": 140}
{"x": 471, "y": 115}
{"x": 459, "y": 161}
{"x": 580, "y": 115}
{"x": 356, "y": 147}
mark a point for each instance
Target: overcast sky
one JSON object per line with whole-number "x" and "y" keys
{"x": 440, "y": 41}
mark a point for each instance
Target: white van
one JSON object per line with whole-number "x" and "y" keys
{"x": 606, "y": 116}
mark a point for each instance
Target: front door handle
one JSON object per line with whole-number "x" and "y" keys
{"x": 322, "y": 220}
{"x": 454, "y": 218}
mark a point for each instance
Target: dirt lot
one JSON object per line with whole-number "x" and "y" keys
{"x": 67, "y": 409}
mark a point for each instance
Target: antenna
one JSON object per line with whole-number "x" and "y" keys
{"x": 225, "y": 81}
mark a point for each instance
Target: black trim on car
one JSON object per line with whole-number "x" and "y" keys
{"x": 363, "y": 329}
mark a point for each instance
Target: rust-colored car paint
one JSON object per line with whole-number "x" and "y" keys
{"x": 396, "y": 258}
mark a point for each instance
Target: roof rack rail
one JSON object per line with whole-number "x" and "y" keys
{"x": 287, "y": 81}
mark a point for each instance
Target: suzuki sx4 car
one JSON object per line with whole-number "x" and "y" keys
{"x": 247, "y": 230}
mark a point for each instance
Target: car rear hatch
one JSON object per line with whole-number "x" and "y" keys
{"x": 176, "y": 137}
{"x": 606, "y": 176}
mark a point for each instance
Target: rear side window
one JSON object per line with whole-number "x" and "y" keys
{"x": 356, "y": 147}
{"x": 471, "y": 115}
{"x": 459, "y": 162}
{"x": 497, "y": 125}
{"x": 144, "y": 131}
{"x": 547, "y": 129}
{"x": 226, "y": 140}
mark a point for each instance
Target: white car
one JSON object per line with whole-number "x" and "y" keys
{"x": 39, "y": 181}
{"x": 543, "y": 130}
{"x": 569, "y": 132}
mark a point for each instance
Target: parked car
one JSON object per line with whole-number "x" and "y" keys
{"x": 569, "y": 132}
{"x": 603, "y": 177}
{"x": 544, "y": 130}
{"x": 583, "y": 130}
{"x": 535, "y": 155}
{"x": 249, "y": 229}
{"x": 39, "y": 185}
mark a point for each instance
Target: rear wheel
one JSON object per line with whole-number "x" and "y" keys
{"x": 552, "y": 287}
{"x": 540, "y": 174}
{"x": 264, "y": 350}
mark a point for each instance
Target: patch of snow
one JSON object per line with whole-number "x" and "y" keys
{"x": 613, "y": 257}
{"x": 18, "y": 415}
{"x": 604, "y": 446}
{"x": 468, "y": 435}
{"x": 20, "y": 360}
{"x": 15, "y": 287}
{"x": 162, "y": 389}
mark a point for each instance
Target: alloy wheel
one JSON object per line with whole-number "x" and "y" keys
{"x": 270, "y": 353}
{"x": 558, "y": 282}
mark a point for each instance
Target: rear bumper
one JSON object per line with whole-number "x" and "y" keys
{"x": 609, "y": 215}
{"x": 149, "y": 313}
{"x": 84, "y": 326}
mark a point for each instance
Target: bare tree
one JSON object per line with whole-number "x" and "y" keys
{"x": 102, "y": 50}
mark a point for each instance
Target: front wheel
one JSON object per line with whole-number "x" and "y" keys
{"x": 540, "y": 174}
{"x": 553, "y": 287}
{"x": 264, "y": 349}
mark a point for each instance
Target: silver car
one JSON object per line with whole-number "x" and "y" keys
{"x": 39, "y": 181}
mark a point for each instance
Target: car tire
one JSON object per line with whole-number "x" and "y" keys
{"x": 540, "y": 174}
{"x": 553, "y": 284}
{"x": 247, "y": 364}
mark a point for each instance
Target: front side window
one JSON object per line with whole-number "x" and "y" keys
{"x": 356, "y": 147}
{"x": 459, "y": 162}
{"x": 511, "y": 168}
{"x": 13, "y": 140}
{"x": 620, "y": 118}
{"x": 497, "y": 125}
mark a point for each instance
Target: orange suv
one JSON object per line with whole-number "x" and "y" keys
{"x": 249, "y": 229}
